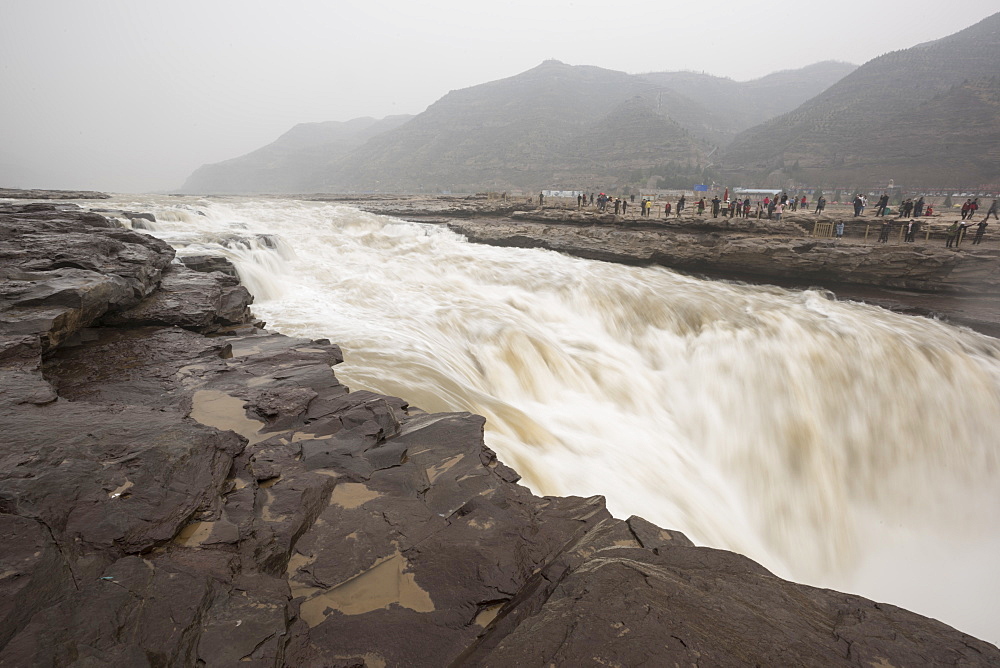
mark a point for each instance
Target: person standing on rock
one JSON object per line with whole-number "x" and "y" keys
{"x": 680, "y": 206}
{"x": 618, "y": 205}
{"x": 779, "y": 207}
{"x": 701, "y": 206}
{"x": 980, "y": 231}
{"x": 820, "y": 205}
{"x": 715, "y": 207}
{"x": 541, "y": 198}
{"x": 579, "y": 201}
{"x": 883, "y": 202}
{"x": 992, "y": 210}
{"x": 951, "y": 233}
{"x": 666, "y": 210}
{"x": 839, "y": 229}
{"x": 962, "y": 227}
{"x": 625, "y": 205}
{"x": 883, "y": 235}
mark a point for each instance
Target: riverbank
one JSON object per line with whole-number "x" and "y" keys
{"x": 185, "y": 486}
{"x": 926, "y": 278}
{"x": 30, "y": 193}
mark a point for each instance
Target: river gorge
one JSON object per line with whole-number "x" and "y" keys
{"x": 837, "y": 443}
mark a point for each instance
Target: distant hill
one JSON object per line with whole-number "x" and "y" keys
{"x": 556, "y": 125}
{"x": 296, "y": 162}
{"x": 927, "y": 115}
{"x": 737, "y": 106}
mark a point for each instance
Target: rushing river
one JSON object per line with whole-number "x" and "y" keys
{"x": 838, "y": 444}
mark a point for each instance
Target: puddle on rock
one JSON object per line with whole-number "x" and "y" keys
{"x": 380, "y": 586}
{"x": 351, "y": 495}
{"x": 435, "y": 471}
{"x": 213, "y": 408}
{"x": 121, "y": 490}
{"x": 265, "y": 511}
{"x": 194, "y": 534}
{"x": 488, "y": 614}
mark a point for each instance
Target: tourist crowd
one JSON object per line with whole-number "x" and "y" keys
{"x": 773, "y": 207}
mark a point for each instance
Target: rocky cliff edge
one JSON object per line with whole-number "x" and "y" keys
{"x": 181, "y": 487}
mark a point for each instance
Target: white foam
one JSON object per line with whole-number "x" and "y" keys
{"x": 780, "y": 424}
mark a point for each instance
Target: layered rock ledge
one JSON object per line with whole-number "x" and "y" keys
{"x": 181, "y": 487}
{"x": 29, "y": 193}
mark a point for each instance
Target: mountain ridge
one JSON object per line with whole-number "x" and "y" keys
{"x": 530, "y": 129}
{"x": 835, "y": 131}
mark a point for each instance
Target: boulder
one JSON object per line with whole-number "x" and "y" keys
{"x": 209, "y": 263}
{"x": 62, "y": 270}
{"x": 191, "y": 299}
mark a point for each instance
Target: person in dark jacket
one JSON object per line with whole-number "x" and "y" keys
{"x": 980, "y": 231}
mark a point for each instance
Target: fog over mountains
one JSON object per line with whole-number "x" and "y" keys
{"x": 928, "y": 115}
{"x": 555, "y": 125}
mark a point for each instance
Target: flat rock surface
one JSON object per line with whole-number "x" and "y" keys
{"x": 22, "y": 193}
{"x": 173, "y": 498}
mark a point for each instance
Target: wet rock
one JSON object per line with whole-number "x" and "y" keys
{"x": 190, "y": 299}
{"x": 170, "y": 498}
{"x": 140, "y": 215}
{"x": 61, "y": 270}
{"x": 19, "y": 193}
{"x": 209, "y": 263}
{"x": 772, "y": 250}
{"x": 608, "y": 602}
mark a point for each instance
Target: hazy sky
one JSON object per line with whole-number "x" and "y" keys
{"x": 133, "y": 95}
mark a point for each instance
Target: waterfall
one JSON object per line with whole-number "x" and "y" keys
{"x": 838, "y": 444}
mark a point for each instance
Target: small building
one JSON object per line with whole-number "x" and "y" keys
{"x": 756, "y": 193}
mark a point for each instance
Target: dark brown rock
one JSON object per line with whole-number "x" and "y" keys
{"x": 168, "y": 498}
{"x": 189, "y": 299}
{"x": 62, "y": 270}
{"x": 209, "y": 263}
{"x": 22, "y": 193}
